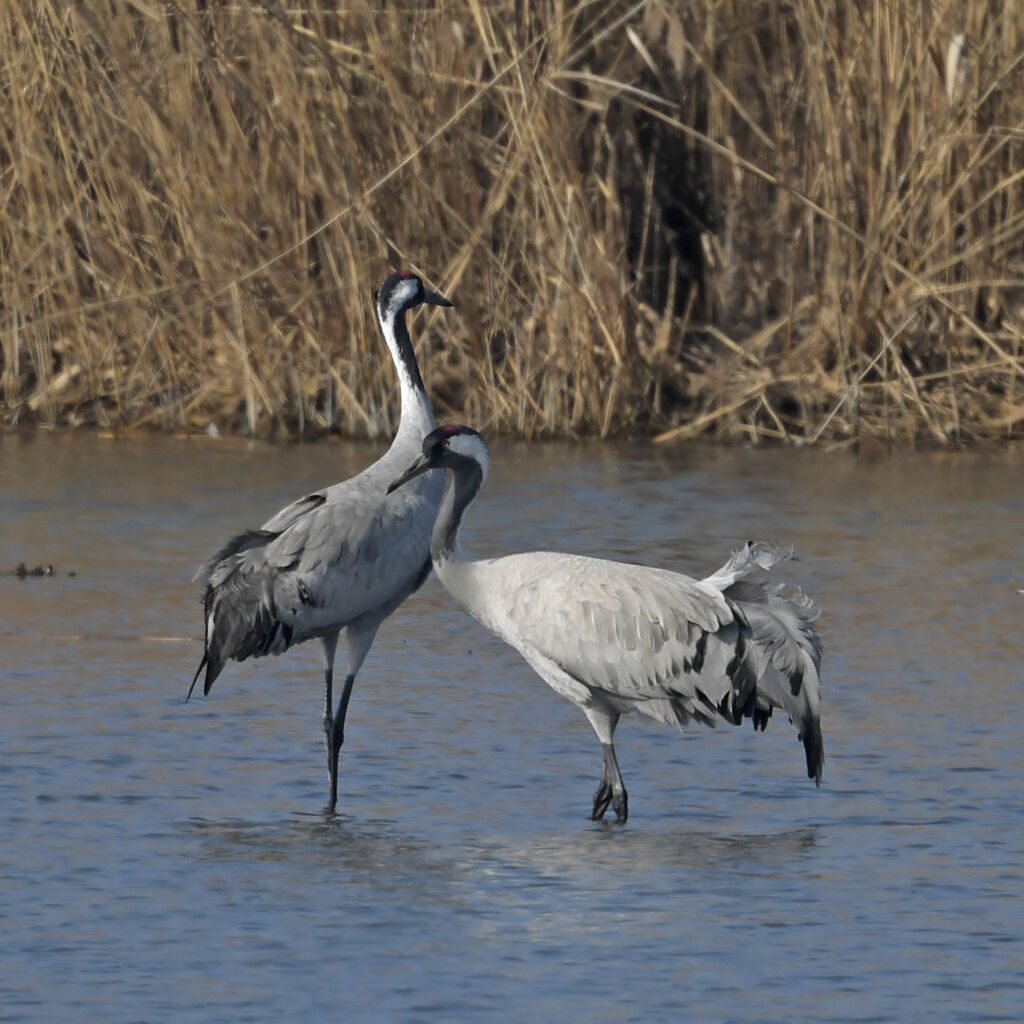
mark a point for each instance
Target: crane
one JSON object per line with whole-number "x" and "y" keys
{"x": 341, "y": 559}
{"x": 613, "y": 637}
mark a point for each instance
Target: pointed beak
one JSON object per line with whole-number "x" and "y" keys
{"x": 434, "y": 299}
{"x": 421, "y": 465}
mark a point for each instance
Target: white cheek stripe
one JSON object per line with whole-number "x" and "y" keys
{"x": 400, "y": 296}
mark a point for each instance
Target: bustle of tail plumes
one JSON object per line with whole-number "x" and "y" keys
{"x": 238, "y": 606}
{"x": 786, "y": 646}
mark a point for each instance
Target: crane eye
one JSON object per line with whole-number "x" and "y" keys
{"x": 445, "y": 443}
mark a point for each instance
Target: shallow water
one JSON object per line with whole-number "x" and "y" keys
{"x": 169, "y": 861}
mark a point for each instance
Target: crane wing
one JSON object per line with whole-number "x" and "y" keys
{"x": 293, "y": 513}
{"x": 317, "y": 565}
{"x": 672, "y": 647}
{"x": 632, "y": 635}
{"x": 344, "y": 557}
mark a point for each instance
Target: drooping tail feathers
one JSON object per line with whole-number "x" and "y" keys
{"x": 238, "y": 606}
{"x": 785, "y": 641}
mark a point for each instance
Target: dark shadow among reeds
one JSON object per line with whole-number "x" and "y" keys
{"x": 761, "y": 220}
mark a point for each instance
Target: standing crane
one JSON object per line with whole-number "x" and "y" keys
{"x": 340, "y": 559}
{"x": 613, "y": 637}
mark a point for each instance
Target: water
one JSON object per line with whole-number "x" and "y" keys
{"x": 169, "y": 861}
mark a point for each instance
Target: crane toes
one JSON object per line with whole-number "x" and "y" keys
{"x": 620, "y": 804}
{"x": 607, "y": 796}
{"x": 602, "y": 798}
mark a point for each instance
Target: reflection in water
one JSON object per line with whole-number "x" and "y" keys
{"x": 373, "y": 851}
{"x": 605, "y": 848}
{"x": 169, "y": 861}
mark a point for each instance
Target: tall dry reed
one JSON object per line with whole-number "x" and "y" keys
{"x": 754, "y": 220}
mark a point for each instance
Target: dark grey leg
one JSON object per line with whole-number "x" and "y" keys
{"x": 611, "y": 790}
{"x": 335, "y": 738}
{"x": 329, "y": 644}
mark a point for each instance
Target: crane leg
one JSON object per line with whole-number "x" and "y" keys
{"x": 358, "y": 638}
{"x": 334, "y": 733}
{"x": 334, "y": 724}
{"x": 611, "y": 790}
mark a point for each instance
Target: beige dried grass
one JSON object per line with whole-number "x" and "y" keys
{"x": 752, "y": 221}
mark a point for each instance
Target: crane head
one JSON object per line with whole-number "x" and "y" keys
{"x": 403, "y": 291}
{"x": 451, "y": 446}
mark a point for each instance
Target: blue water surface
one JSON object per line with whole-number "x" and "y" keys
{"x": 170, "y": 861}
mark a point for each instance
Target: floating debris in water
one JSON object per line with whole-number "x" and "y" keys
{"x": 22, "y": 571}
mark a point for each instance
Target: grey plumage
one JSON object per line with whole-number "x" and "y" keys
{"x": 338, "y": 560}
{"x": 614, "y": 637}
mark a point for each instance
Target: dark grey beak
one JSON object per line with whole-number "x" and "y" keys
{"x": 434, "y": 299}
{"x": 421, "y": 465}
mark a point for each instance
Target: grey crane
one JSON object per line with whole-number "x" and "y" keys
{"x": 340, "y": 559}
{"x": 613, "y": 637}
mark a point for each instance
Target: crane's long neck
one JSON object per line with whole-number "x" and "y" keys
{"x": 444, "y": 542}
{"x": 417, "y": 417}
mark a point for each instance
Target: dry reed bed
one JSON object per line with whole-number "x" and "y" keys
{"x": 753, "y": 220}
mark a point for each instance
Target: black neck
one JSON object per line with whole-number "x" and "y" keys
{"x": 405, "y": 350}
{"x": 466, "y": 480}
